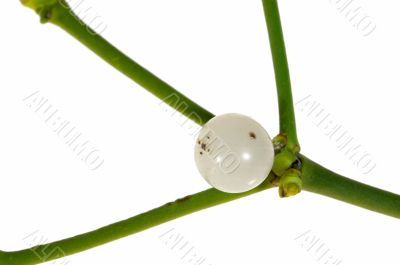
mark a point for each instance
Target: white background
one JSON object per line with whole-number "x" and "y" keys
{"x": 217, "y": 53}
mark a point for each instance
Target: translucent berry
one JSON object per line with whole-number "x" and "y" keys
{"x": 234, "y": 153}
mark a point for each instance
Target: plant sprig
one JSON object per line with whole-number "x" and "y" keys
{"x": 314, "y": 177}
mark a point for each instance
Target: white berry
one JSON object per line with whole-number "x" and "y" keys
{"x": 234, "y": 153}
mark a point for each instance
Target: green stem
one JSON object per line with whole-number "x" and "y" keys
{"x": 287, "y": 119}
{"x": 165, "y": 213}
{"x": 58, "y": 13}
{"x": 316, "y": 179}
{"x": 320, "y": 180}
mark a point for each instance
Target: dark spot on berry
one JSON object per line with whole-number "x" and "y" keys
{"x": 203, "y": 146}
{"x": 201, "y": 153}
{"x": 252, "y": 135}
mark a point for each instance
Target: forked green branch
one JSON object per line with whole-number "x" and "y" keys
{"x": 315, "y": 178}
